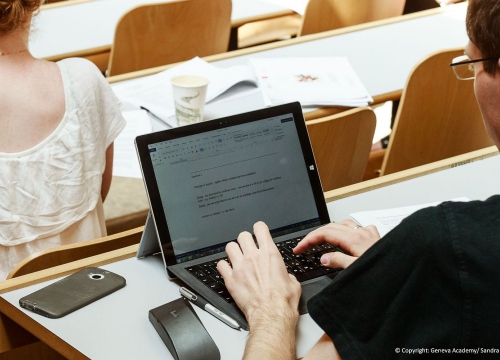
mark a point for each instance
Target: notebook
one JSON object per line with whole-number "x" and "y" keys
{"x": 209, "y": 181}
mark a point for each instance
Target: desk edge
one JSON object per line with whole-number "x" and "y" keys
{"x": 410, "y": 174}
{"x": 39, "y": 331}
{"x": 68, "y": 268}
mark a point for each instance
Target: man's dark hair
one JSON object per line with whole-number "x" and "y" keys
{"x": 483, "y": 28}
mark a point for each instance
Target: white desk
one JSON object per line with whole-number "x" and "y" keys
{"x": 382, "y": 54}
{"x": 83, "y": 26}
{"x": 117, "y": 326}
{"x": 470, "y": 175}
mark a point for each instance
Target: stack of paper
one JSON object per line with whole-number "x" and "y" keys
{"x": 311, "y": 81}
{"x": 155, "y": 92}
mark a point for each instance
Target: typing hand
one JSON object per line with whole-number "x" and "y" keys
{"x": 347, "y": 235}
{"x": 258, "y": 279}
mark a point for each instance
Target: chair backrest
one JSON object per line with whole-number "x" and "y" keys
{"x": 164, "y": 33}
{"x": 67, "y": 253}
{"x": 438, "y": 117}
{"x": 324, "y": 15}
{"x": 341, "y": 144}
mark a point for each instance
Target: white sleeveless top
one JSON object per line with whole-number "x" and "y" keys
{"x": 57, "y": 183}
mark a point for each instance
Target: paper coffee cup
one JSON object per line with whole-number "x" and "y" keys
{"x": 189, "y": 98}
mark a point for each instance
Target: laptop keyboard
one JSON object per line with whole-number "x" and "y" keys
{"x": 304, "y": 266}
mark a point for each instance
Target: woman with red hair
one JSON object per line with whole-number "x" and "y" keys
{"x": 58, "y": 122}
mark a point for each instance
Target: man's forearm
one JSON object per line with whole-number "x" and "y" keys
{"x": 272, "y": 334}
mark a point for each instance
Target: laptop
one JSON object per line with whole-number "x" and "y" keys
{"x": 209, "y": 181}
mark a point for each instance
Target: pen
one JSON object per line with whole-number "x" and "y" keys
{"x": 209, "y": 308}
{"x": 155, "y": 116}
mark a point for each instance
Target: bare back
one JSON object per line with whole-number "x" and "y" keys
{"x": 31, "y": 101}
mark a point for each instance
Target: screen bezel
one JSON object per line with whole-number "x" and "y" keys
{"x": 142, "y": 145}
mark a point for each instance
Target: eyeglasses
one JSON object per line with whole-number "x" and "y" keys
{"x": 463, "y": 67}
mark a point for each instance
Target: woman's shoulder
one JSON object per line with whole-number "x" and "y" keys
{"x": 78, "y": 64}
{"x": 81, "y": 71}
{"x": 84, "y": 82}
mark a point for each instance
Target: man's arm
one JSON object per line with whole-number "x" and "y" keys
{"x": 272, "y": 333}
{"x": 265, "y": 292}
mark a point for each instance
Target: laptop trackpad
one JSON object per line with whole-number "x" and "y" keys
{"x": 309, "y": 290}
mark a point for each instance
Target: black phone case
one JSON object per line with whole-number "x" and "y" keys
{"x": 72, "y": 293}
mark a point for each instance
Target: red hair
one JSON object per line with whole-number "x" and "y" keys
{"x": 14, "y": 13}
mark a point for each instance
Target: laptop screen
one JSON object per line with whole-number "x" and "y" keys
{"x": 215, "y": 184}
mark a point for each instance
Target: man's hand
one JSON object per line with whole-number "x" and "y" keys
{"x": 265, "y": 292}
{"x": 258, "y": 278}
{"x": 347, "y": 235}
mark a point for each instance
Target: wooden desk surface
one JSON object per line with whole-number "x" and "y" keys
{"x": 475, "y": 175}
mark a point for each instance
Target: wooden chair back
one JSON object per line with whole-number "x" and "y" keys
{"x": 67, "y": 253}
{"x": 324, "y": 15}
{"x": 438, "y": 117}
{"x": 341, "y": 144}
{"x": 165, "y": 33}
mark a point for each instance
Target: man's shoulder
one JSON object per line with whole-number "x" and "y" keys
{"x": 437, "y": 233}
{"x": 472, "y": 209}
{"x": 464, "y": 234}
{"x": 453, "y": 216}
{"x": 420, "y": 229}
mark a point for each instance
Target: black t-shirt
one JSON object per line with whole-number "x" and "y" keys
{"x": 432, "y": 283}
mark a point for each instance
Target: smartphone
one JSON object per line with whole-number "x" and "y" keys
{"x": 72, "y": 293}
